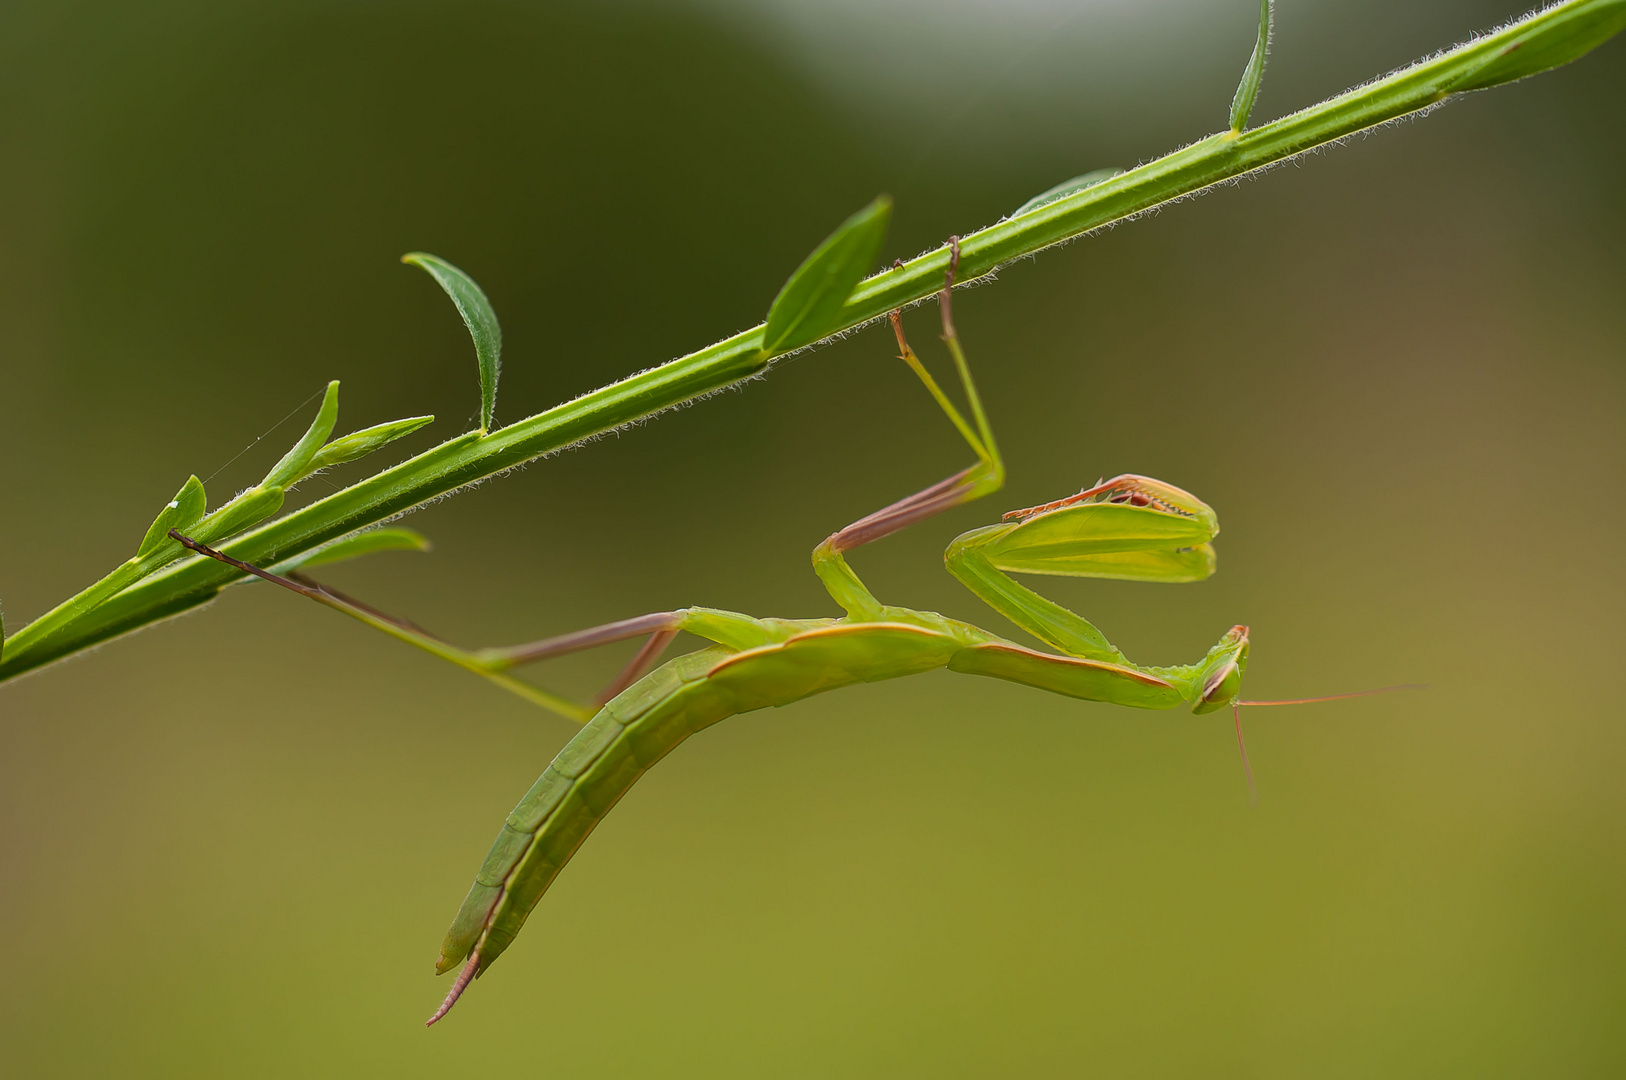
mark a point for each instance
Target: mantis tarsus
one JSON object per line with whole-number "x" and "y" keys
{"x": 1130, "y": 527}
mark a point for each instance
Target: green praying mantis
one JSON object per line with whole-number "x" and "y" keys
{"x": 1130, "y": 527}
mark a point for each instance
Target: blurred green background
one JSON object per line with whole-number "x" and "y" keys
{"x": 229, "y": 846}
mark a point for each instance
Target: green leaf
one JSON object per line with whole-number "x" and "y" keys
{"x": 1568, "y": 36}
{"x": 249, "y": 508}
{"x": 296, "y": 463}
{"x": 1252, "y": 75}
{"x": 184, "y": 511}
{"x": 809, "y": 306}
{"x": 357, "y": 545}
{"x": 1066, "y": 188}
{"x": 361, "y": 443}
{"x": 478, "y": 317}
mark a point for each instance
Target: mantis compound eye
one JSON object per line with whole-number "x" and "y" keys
{"x": 1223, "y": 685}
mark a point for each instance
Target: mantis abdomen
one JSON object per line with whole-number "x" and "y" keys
{"x": 643, "y": 724}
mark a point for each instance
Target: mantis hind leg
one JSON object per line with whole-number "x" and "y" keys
{"x": 727, "y": 628}
{"x": 724, "y": 627}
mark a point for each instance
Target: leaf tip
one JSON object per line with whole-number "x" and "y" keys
{"x": 1247, "y": 91}
{"x": 1066, "y": 188}
{"x": 358, "y": 544}
{"x": 809, "y": 305}
{"x": 480, "y": 319}
{"x": 1550, "y": 38}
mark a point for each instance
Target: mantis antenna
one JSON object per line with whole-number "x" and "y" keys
{"x": 1236, "y": 711}
{"x": 1337, "y": 697}
{"x": 1242, "y": 748}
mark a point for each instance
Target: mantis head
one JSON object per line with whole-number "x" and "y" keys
{"x": 1218, "y": 679}
{"x": 1218, "y": 684}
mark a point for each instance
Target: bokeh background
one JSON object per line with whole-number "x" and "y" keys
{"x": 229, "y": 846}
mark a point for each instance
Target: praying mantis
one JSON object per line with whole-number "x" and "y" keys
{"x": 1130, "y": 527}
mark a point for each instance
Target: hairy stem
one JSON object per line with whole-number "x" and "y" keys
{"x": 475, "y": 456}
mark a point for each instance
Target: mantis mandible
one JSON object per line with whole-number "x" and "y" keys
{"x": 1129, "y": 527}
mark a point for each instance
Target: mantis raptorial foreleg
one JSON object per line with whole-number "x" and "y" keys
{"x": 1128, "y": 527}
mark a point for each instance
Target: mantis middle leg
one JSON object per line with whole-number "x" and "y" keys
{"x": 973, "y": 482}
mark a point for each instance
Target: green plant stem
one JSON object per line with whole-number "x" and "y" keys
{"x": 472, "y": 457}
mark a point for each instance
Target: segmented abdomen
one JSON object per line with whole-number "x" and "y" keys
{"x": 638, "y": 728}
{"x": 573, "y": 794}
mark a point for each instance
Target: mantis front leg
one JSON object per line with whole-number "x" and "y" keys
{"x": 1131, "y": 528}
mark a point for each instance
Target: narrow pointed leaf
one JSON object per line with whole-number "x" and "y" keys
{"x": 1066, "y": 188}
{"x": 478, "y": 317}
{"x": 249, "y": 508}
{"x": 357, "y": 545}
{"x": 295, "y": 464}
{"x": 183, "y": 511}
{"x": 809, "y": 306}
{"x": 1569, "y": 36}
{"x": 1252, "y": 75}
{"x": 361, "y": 443}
